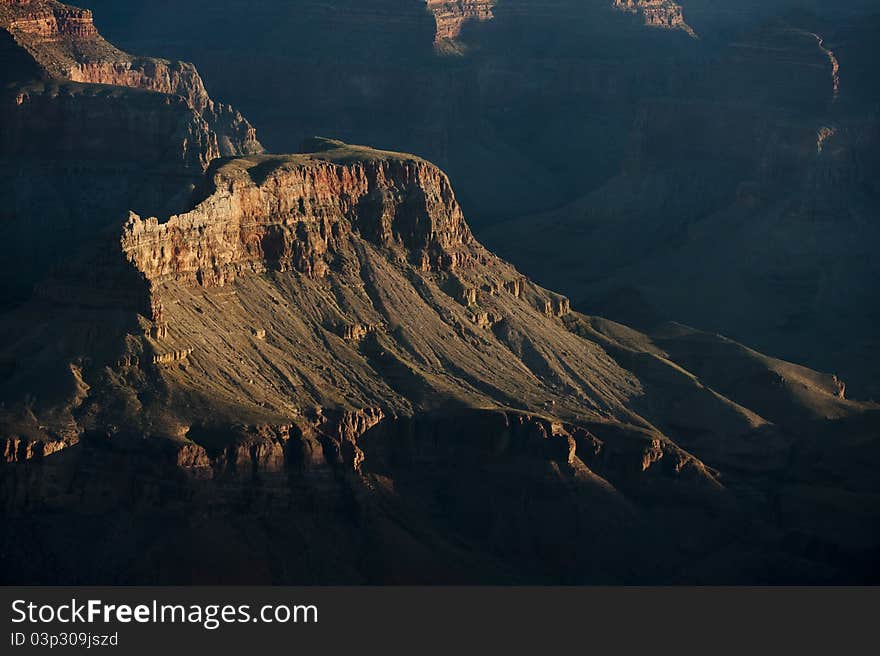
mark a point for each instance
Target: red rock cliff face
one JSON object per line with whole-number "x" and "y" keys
{"x": 65, "y": 44}
{"x": 451, "y": 16}
{"x": 45, "y": 21}
{"x": 88, "y": 132}
{"x": 664, "y": 14}
{"x": 235, "y": 135}
{"x": 298, "y": 216}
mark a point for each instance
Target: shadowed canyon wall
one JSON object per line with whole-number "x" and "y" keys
{"x": 83, "y": 120}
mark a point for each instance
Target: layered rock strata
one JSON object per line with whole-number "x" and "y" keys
{"x": 452, "y": 16}
{"x": 65, "y": 44}
{"x": 664, "y": 14}
{"x": 88, "y": 131}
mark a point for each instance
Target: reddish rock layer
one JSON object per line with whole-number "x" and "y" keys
{"x": 42, "y": 20}
{"x": 297, "y": 216}
{"x": 664, "y": 14}
{"x": 452, "y": 15}
{"x": 65, "y": 44}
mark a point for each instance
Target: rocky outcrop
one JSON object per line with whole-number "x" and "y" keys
{"x": 47, "y": 20}
{"x": 66, "y": 121}
{"x": 494, "y": 475}
{"x": 294, "y": 212}
{"x": 452, "y": 15}
{"x": 664, "y": 14}
{"x": 88, "y": 132}
{"x": 833, "y": 60}
{"x": 16, "y": 449}
{"x": 172, "y": 357}
{"x": 74, "y": 158}
{"x": 64, "y": 42}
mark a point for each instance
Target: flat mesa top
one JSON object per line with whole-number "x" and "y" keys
{"x": 259, "y": 167}
{"x": 334, "y": 150}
